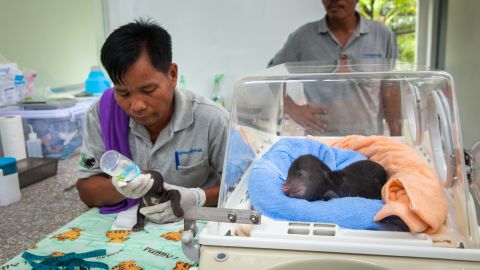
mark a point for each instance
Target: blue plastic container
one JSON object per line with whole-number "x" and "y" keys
{"x": 8, "y": 165}
{"x": 96, "y": 82}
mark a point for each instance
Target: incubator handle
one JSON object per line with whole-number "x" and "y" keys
{"x": 472, "y": 160}
{"x": 411, "y": 109}
{"x": 440, "y": 131}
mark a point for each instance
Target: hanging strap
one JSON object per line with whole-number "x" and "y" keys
{"x": 66, "y": 262}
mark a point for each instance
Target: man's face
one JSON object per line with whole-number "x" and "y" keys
{"x": 146, "y": 94}
{"x": 339, "y": 9}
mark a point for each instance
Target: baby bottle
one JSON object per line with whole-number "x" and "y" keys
{"x": 119, "y": 166}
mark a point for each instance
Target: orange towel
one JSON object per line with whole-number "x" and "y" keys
{"x": 412, "y": 192}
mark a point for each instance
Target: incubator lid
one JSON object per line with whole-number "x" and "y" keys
{"x": 474, "y": 155}
{"x": 327, "y": 68}
{"x": 294, "y": 70}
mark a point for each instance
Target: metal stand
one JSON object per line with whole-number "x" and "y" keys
{"x": 190, "y": 245}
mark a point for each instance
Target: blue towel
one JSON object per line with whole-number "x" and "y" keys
{"x": 269, "y": 173}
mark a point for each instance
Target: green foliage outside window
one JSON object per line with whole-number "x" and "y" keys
{"x": 400, "y": 16}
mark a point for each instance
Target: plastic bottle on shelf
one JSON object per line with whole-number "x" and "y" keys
{"x": 34, "y": 144}
{"x": 7, "y": 88}
{"x": 20, "y": 86}
{"x": 9, "y": 183}
{"x": 96, "y": 82}
{"x": 217, "y": 96}
{"x": 4, "y": 84}
{"x": 119, "y": 166}
{"x": 29, "y": 83}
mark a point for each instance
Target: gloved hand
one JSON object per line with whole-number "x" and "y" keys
{"x": 163, "y": 213}
{"x": 136, "y": 188}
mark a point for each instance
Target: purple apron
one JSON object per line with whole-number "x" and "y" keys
{"x": 114, "y": 125}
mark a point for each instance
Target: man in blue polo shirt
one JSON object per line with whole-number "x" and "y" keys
{"x": 341, "y": 37}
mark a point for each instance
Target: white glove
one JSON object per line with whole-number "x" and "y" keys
{"x": 163, "y": 213}
{"x": 136, "y": 188}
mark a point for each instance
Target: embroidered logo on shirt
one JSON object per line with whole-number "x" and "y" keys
{"x": 188, "y": 152}
{"x": 86, "y": 162}
{"x": 372, "y": 55}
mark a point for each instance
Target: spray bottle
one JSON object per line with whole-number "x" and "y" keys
{"x": 34, "y": 145}
{"x": 217, "y": 93}
{"x": 183, "y": 83}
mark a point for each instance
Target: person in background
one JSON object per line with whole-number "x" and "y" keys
{"x": 158, "y": 126}
{"x": 343, "y": 36}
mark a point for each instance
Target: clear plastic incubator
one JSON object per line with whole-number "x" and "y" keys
{"x": 403, "y": 117}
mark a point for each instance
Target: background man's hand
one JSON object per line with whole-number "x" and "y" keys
{"x": 306, "y": 116}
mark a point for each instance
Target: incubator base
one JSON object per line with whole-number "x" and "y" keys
{"x": 232, "y": 258}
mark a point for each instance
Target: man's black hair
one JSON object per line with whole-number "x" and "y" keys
{"x": 124, "y": 46}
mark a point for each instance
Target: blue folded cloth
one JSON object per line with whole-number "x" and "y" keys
{"x": 269, "y": 173}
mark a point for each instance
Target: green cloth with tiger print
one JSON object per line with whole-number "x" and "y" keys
{"x": 157, "y": 247}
